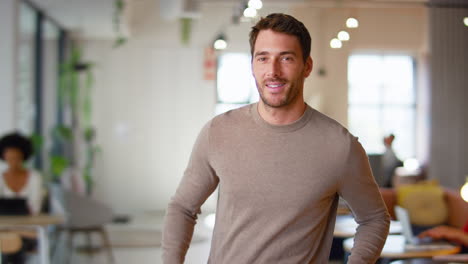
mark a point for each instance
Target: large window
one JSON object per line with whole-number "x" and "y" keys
{"x": 25, "y": 105}
{"x": 38, "y": 57}
{"x": 50, "y": 71}
{"x": 235, "y": 83}
{"x": 382, "y": 100}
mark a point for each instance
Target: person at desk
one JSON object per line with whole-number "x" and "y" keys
{"x": 18, "y": 181}
{"x": 390, "y": 161}
{"x": 451, "y": 234}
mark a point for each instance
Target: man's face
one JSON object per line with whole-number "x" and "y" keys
{"x": 279, "y": 69}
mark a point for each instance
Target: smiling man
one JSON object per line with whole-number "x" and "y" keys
{"x": 281, "y": 167}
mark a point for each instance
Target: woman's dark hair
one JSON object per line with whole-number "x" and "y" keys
{"x": 17, "y": 141}
{"x": 282, "y": 23}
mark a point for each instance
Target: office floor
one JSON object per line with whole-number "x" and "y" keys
{"x": 151, "y": 221}
{"x": 197, "y": 254}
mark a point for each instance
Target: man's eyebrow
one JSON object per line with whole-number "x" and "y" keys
{"x": 287, "y": 52}
{"x": 260, "y": 53}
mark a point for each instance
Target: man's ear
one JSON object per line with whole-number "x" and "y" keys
{"x": 309, "y": 65}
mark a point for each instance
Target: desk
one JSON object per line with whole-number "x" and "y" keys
{"x": 40, "y": 220}
{"x": 345, "y": 227}
{"x": 394, "y": 248}
{"x": 33, "y": 224}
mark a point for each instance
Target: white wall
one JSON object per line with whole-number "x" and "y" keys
{"x": 8, "y": 23}
{"x": 151, "y": 100}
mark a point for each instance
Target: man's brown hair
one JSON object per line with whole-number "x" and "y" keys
{"x": 282, "y": 23}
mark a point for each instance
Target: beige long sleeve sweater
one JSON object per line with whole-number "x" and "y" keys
{"x": 279, "y": 190}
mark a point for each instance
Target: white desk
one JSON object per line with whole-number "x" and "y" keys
{"x": 345, "y": 227}
{"x": 395, "y": 248}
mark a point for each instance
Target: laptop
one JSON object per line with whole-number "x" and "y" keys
{"x": 13, "y": 206}
{"x": 414, "y": 242}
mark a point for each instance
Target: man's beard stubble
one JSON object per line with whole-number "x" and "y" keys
{"x": 291, "y": 94}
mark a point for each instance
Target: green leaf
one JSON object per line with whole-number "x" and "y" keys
{"x": 37, "y": 141}
{"x": 63, "y": 132}
{"x": 97, "y": 149}
{"x": 186, "y": 29}
{"x": 58, "y": 164}
{"x": 89, "y": 134}
{"x": 119, "y": 5}
{"x": 119, "y": 41}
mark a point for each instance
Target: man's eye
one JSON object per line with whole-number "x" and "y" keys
{"x": 287, "y": 58}
{"x": 261, "y": 59}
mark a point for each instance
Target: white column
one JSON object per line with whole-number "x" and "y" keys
{"x": 8, "y": 25}
{"x": 449, "y": 92}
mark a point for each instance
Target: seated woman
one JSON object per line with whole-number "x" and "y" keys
{"x": 18, "y": 181}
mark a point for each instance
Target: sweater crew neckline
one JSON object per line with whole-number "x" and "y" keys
{"x": 298, "y": 124}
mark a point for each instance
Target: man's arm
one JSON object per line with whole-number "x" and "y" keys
{"x": 362, "y": 195}
{"x": 198, "y": 183}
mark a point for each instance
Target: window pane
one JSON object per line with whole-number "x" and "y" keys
{"x": 382, "y": 101}
{"x": 25, "y": 104}
{"x": 364, "y": 79}
{"x": 235, "y": 82}
{"x": 364, "y": 122}
{"x": 401, "y": 122}
{"x": 398, "y": 80}
{"x": 50, "y": 81}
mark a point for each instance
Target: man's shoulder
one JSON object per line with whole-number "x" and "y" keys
{"x": 233, "y": 116}
{"x": 327, "y": 123}
{"x": 229, "y": 121}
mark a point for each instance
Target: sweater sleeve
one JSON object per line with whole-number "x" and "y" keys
{"x": 198, "y": 182}
{"x": 362, "y": 195}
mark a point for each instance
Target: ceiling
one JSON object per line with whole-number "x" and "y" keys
{"x": 94, "y": 18}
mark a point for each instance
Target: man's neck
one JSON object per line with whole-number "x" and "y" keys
{"x": 282, "y": 115}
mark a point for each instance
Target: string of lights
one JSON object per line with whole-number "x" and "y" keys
{"x": 343, "y": 35}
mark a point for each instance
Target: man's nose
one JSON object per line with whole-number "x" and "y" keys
{"x": 274, "y": 69}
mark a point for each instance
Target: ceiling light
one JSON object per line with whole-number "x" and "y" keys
{"x": 220, "y": 43}
{"x": 250, "y": 12}
{"x": 352, "y": 22}
{"x": 465, "y": 21}
{"x": 335, "y": 43}
{"x": 257, "y": 4}
{"x": 464, "y": 191}
{"x": 343, "y": 35}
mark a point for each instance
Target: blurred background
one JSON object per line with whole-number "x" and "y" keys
{"x": 114, "y": 92}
